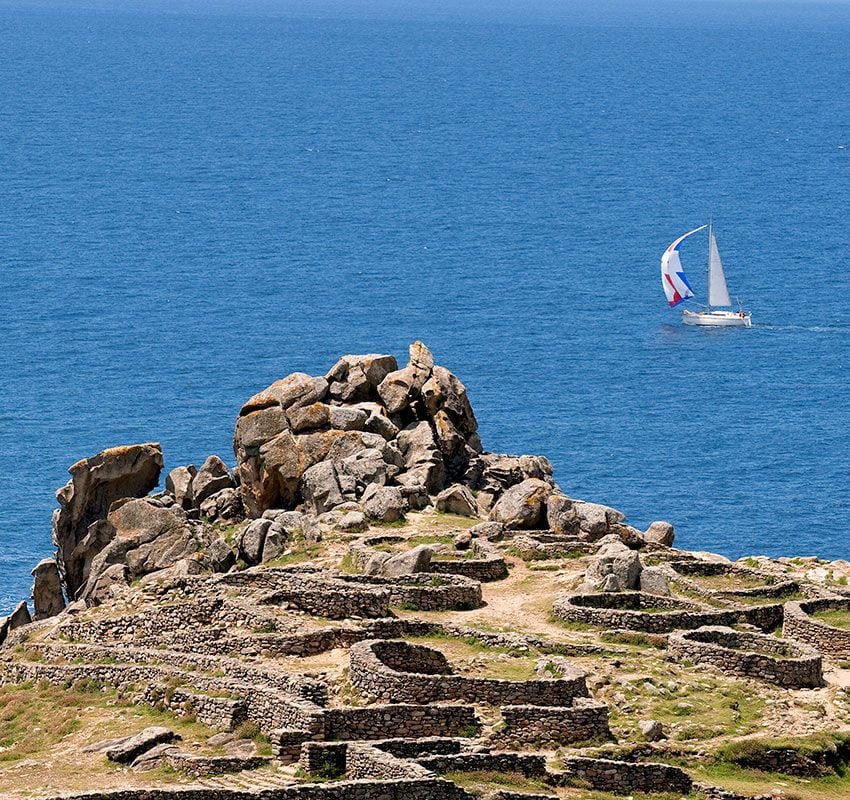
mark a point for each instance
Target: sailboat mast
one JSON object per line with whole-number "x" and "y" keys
{"x": 708, "y": 265}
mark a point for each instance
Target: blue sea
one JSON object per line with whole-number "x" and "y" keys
{"x": 199, "y": 198}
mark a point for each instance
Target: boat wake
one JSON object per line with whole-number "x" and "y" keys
{"x": 803, "y": 328}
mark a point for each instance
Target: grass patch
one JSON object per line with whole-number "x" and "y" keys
{"x": 836, "y": 619}
{"x": 731, "y": 581}
{"x": 835, "y": 746}
{"x": 479, "y": 782}
{"x": 226, "y": 532}
{"x": 326, "y": 771}
{"x": 636, "y": 638}
{"x": 348, "y": 565}
{"x": 444, "y": 519}
{"x": 468, "y": 656}
{"x": 35, "y": 718}
{"x": 397, "y": 523}
{"x": 250, "y": 730}
{"x": 748, "y": 781}
{"x": 300, "y": 552}
{"x": 701, "y": 711}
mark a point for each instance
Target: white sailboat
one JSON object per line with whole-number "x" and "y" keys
{"x": 677, "y": 289}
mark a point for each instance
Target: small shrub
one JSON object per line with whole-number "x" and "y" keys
{"x": 247, "y": 730}
{"x": 269, "y": 626}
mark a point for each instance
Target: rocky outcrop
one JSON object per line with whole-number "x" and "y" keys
{"x": 523, "y": 505}
{"x": 366, "y": 442}
{"x": 324, "y": 441}
{"x": 17, "y": 619}
{"x": 660, "y": 533}
{"x": 145, "y": 539}
{"x": 615, "y": 567}
{"x": 96, "y": 483}
{"x": 47, "y": 589}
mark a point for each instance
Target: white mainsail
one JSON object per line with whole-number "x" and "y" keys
{"x": 718, "y": 294}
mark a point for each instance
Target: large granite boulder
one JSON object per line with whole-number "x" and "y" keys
{"x": 146, "y": 539}
{"x": 615, "y": 559}
{"x": 320, "y": 487}
{"x": 457, "y": 499}
{"x": 96, "y": 483}
{"x": 252, "y": 539}
{"x": 47, "y": 589}
{"x": 384, "y": 504}
{"x": 125, "y": 751}
{"x": 17, "y": 619}
{"x": 660, "y": 533}
{"x": 596, "y": 520}
{"x": 562, "y": 516}
{"x": 653, "y": 580}
{"x": 178, "y": 484}
{"x": 212, "y": 477}
{"x": 106, "y": 584}
{"x": 417, "y": 559}
{"x": 523, "y": 505}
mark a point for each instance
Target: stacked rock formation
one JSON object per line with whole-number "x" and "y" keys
{"x": 322, "y": 441}
{"x": 366, "y": 441}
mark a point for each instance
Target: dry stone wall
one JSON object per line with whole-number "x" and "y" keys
{"x": 798, "y": 624}
{"x": 582, "y": 720}
{"x": 651, "y": 613}
{"x": 403, "y": 789}
{"x": 399, "y": 720}
{"x": 427, "y": 592}
{"x": 488, "y": 564}
{"x": 531, "y": 766}
{"x": 398, "y": 671}
{"x": 625, "y": 777}
{"x": 365, "y": 761}
{"x": 778, "y": 661}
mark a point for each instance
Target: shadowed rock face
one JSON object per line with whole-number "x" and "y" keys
{"x": 145, "y": 539}
{"x": 96, "y": 483}
{"x": 365, "y": 422}
{"x": 47, "y": 589}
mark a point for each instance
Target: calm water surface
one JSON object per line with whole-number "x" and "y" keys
{"x": 194, "y": 204}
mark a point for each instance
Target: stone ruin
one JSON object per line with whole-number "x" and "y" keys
{"x": 208, "y": 615}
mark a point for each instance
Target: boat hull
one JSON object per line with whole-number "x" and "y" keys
{"x": 718, "y": 319}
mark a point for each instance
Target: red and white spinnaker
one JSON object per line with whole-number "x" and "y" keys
{"x": 676, "y": 286}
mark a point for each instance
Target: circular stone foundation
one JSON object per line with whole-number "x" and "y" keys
{"x": 802, "y": 627}
{"x": 639, "y": 611}
{"x": 754, "y": 655}
{"x": 398, "y": 671}
{"x": 424, "y": 591}
{"x": 760, "y": 583}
